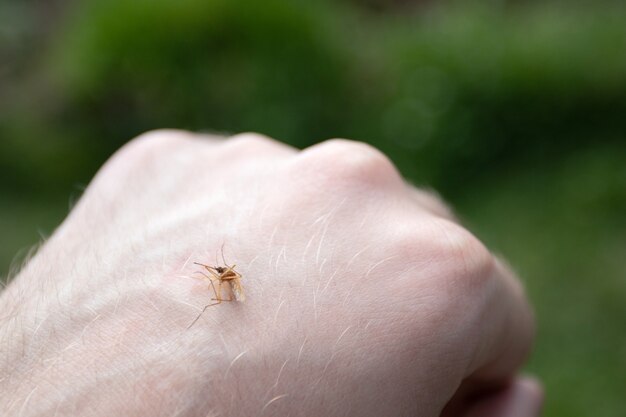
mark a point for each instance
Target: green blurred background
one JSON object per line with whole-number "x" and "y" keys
{"x": 514, "y": 110}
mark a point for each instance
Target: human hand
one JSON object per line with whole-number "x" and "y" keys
{"x": 364, "y": 296}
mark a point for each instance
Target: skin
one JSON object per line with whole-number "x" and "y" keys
{"x": 364, "y": 296}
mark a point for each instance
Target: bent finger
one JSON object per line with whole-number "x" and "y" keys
{"x": 507, "y": 329}
{"x": 522, "y": 398}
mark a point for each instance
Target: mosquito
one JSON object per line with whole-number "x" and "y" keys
{"x": 222, "y": 274}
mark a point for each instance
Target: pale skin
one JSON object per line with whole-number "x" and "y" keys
{"x": 364, "y": 296}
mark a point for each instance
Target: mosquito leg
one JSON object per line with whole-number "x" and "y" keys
{"x": 203, "y": 274}
{"x": 211, "y": 270}
{"x": 218, "y": 299}
{"x": 223, "y": 260}
{"x": 217, "y": 295}
{"x": 203, "y": 310}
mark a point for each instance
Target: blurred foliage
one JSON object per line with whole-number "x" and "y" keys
{"x": 515, "y": 111}
{"x": 453, "y": 88}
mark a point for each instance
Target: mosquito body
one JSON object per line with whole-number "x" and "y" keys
{"x": 222, "y": 275}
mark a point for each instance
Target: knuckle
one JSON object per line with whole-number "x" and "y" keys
{"x": 351, "y": 161}
{"x": 467, "y": 263}
{"x": 432, "y": 202}
{"x": 251, "y": 143}
{"x": 144, "y": 154}
{"x": 152, "y": 144}
{"x": 160, "y": 138}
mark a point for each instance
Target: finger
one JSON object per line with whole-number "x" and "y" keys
{"x": 496, "y": 314}
{"x": 522, "y": 398}
{"x": 498, "y": 317}
{"x": 506, "y": 328}
{"x": 490, "y": 305}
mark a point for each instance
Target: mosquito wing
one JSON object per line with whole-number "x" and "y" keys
{"x": 237, "y": 289}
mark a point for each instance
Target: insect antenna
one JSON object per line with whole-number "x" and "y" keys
{"x": 223, "y": 259}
